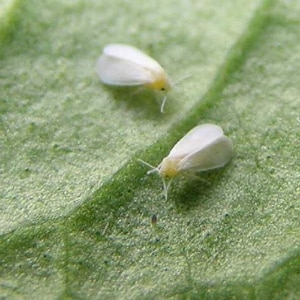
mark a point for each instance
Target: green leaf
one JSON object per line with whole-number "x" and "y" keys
{"x": 76, "y": 205}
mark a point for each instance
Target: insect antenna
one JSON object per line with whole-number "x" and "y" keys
{"x": 152, "y": 168}
{"x": 174, "y": 84}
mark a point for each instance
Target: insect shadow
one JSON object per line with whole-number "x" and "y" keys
{"x": 139, "y": 99}
{"x": 195, "y": 189}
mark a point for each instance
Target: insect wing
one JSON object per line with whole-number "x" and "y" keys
{"x": 196, "y": 139}
{"x": 134, "y": 55}
{"x": 212, "y": 156}
{"x": 116, "y": 71}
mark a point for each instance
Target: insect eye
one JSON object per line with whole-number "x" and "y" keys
{"x": 162, "y": 89}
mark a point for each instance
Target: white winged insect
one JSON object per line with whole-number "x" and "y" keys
{"x": 203, "y": 148}
{"x": 124, "y": 65}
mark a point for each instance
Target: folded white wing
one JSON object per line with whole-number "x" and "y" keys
{"x": 134, "y": 55}
{"x": 212, "y": 156}
{"x": 196, "y": 139}
{"x": 116, "y": 71}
